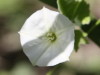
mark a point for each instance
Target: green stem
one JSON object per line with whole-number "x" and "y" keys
{"x": 93, "y": 27}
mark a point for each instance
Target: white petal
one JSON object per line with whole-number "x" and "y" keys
{"x": 38, "y": 24}
{"x": 40, "y": 20}
{"x": 63, "y": 56}
{"x": 61, "y": 23}
{"x": 35, "y": 49}
{"x": 60, "y": 51}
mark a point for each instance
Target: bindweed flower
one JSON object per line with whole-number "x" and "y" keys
{"x": 47, "y": 38}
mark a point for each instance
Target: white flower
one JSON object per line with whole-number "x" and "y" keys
{"x": 47, "y": 38}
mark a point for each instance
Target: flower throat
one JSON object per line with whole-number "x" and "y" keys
{"x": 51, "y": 36}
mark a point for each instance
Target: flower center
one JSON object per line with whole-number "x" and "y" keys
{"x": 51, "y": 36}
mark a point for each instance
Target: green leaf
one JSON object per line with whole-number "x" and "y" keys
{"x": 95, "y": 35}
{"x": 79, "y": 39}
{"x": 73, "y": 9}
{"x": 93, "y": 31}
{"x": 50, "y": 2}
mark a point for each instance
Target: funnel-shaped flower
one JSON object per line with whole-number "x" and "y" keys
{"x": 47, "y": 38}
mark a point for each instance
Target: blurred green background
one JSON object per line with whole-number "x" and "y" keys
{"x": 13, "y": 14}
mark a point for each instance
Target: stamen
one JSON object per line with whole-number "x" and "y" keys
{"x": 51, "y": 36}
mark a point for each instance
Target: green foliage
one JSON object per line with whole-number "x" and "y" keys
{"x": 79, "y": 39}
{"x": 78, "y": 12}
{"x": 73, "y": 9}
{"x": 50, "y": 2}
{"x": 93, "y": 31}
